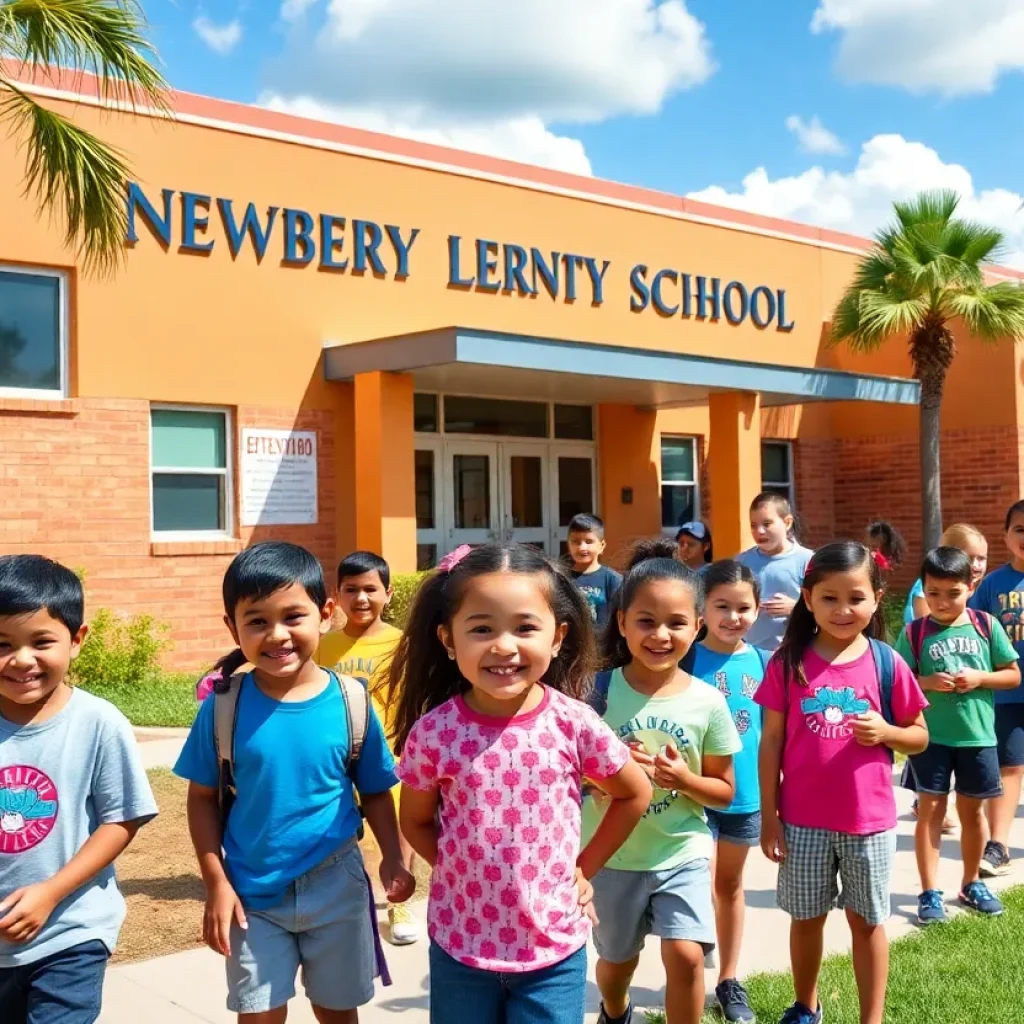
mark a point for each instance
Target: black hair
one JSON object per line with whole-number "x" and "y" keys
{"x": 651, "y": 561}
{"x": 1017, "y": 508}
{"x": 709, "y": 547}
{"x": 946, "y": 563}
{"x": 32, "y": 583}
{"x": 890, "y": 542}
{"x": 839, "y": 556}
{"x": 422, "y": 676}
{"x": 587, "y": 522}
{"x": 358, "y": 563}
{"x": 260, "y": 571}
{"x": 728, "y": 572}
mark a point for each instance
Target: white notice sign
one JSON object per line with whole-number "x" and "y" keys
{"x": 278, "y": 478}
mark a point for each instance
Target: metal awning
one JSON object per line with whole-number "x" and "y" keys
{"x": 465, "y": 361}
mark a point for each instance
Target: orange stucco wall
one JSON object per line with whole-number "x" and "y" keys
{"x": 211, "y": 329}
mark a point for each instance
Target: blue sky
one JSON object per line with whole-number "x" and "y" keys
{"x": 818, "y": 110}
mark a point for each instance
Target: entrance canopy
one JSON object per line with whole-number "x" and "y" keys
{"x": 465, "y": 361}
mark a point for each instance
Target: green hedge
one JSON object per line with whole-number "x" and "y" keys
{"x": 405, "y": 585}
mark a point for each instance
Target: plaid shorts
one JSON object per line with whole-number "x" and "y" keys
{"x": 817, "y": 860}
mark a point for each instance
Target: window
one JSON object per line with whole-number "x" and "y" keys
{"x": 574, "y": 423}
{"x": 777, "y": 469}
{"x": 191, "y": 476}
{"x": 680, "y": 501}
{"x": 498, "y": 416}
{"x": 424, "y": 412}
{"x": 32, "y": 334}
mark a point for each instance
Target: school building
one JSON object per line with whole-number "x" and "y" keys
{"x": 350, "y": 340}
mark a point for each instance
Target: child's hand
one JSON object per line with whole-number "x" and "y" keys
{"x": 25, "y": 911}
{"x": 639, "y": 754}
{"x": 585, "y": 896}
{"x": 398, "y": 881}
{"x": 773, "y": 840}
{"x": 941, "y": 682}
{"x": 222, "y": 907}
{"x": 968, "y": 679}
{"x": 778, "y": 606}
{"x": 671, "y": 769}
{"x": 870, "y": 729}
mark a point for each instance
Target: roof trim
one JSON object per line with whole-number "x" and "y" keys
{"x": 404, "y": 353}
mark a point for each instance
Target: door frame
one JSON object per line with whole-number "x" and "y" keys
{"x": 568, "y": 450}
{"x": 455, "y": 537}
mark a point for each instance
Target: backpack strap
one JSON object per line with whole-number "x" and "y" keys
{"x": 598, "y": 698}
{"x": 225, "y": 717}
{"x": 885, "y": 667}
{"x": 982, "y": 622}
{"x": 357, "y": 718}
{"x": 915, "y": 634}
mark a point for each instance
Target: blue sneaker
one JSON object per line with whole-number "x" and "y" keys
{"x": 977, "y": 896}
{"x": 929, "y": 908}
{"x": 799, "y": 1014}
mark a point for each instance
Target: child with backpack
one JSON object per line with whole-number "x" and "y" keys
{"x": 837, "y": 702}
{"x": 275, "y": 760}
{"x": 681, "y": 733}
{"x": 960, "y": 657}
{"x": 724, "y": 660}
{"x": 495, "y": 743}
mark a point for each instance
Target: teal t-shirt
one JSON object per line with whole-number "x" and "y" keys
{"x": 737, "y": 677}
{"x": 959, "y": 719}
{"x": 674, "y": 828}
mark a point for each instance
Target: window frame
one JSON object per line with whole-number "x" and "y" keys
{"x": 63, "y": 322}
{"x": 670, "y": 531}
{"x": 788, "y": 486}
{"x": 229, "y": 531}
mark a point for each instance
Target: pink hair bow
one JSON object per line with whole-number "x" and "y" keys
{"x": 453, "y": 558}
{"x": 881, "y": 561}
{"x": 206, "y": 685}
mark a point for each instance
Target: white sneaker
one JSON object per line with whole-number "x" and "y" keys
{"x": 403, "y": 928}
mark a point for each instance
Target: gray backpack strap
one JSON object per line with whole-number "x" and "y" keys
{"x": 225, "y": 716}
{"x": 357, "y": 714}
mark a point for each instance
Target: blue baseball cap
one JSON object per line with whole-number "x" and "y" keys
{"x": 696, "y": 530}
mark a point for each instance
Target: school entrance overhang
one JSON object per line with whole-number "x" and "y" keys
{"x": 466, "y": 361}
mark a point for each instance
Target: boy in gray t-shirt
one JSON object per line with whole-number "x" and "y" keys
{"x": 72, "y": 796}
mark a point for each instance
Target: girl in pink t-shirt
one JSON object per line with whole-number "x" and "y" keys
{"x": 495, "y": 743}
{"x": 824, "y": 732}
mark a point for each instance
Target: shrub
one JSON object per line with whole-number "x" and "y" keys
{"x": 405, "y": 585}
{"x": 120, "y": 652}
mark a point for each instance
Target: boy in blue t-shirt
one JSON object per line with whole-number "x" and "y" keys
{"x": 284, "y": 877}
{"x": 596, "y": 582}
{"x": 1001, "y": 594}
{"x": 73, "y": 794}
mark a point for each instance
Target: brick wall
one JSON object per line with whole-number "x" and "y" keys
{"x": 76, "y": 488}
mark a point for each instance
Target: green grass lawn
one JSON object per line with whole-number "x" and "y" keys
{"x": 969, "y": 970}
{"x": 166, "y": 700}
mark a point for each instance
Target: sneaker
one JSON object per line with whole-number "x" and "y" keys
{"x": 977, "y": 896}
{"x": 403, "y": 927}
{"x": 603, "y": 1018}
{"x": 732, "y": 998}
{"x": 799, "y": 1014}
{"x": 929, "y": 908}
{"x": 996, "y": 860}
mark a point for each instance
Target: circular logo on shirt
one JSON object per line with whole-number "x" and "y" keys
{"x": 28, "y": 808}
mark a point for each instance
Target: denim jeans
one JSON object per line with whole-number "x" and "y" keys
{"x": 66, "y": 988}
{"x": 551, "y": 995}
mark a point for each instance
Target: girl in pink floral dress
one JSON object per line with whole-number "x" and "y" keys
{"x": 495, "y": 743}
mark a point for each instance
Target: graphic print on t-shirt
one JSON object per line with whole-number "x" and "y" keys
{"x": 654, "y": 733}
{"x": 28, "y": 808}
{"x": 828, "y": 712}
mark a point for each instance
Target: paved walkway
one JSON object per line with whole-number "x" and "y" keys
{"x": 188, "y": 988}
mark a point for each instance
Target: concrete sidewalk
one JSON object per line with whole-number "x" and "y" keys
{"x": 188, "y": 988}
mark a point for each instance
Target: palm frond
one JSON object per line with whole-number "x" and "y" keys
{"x": 883, "y": 315}
{"x": 874, "y": 271}
{"x": 993, "y": 313}
{"x": 932, "y": 206}
{"x": 974, "y": 243}
{"x": 75, "y": 176}
{"x": 846, "y": 319}
{"x": 104, "y": 37}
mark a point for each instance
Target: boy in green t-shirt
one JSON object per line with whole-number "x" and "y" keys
{"x": 960, "y": 657}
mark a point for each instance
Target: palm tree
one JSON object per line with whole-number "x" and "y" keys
{"x": 924, "y": 272}
{"x": 70, "y": 172}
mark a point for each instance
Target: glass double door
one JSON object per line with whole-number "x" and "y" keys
{"x": 513, "y": 492}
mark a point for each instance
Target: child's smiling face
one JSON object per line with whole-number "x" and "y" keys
{"x": 843, "y": 604}
{"x": 363, "y": 599}
{"x": 660, "y": 623}
{"x": 36, "y": 651}
{"x": 729, "y": 612}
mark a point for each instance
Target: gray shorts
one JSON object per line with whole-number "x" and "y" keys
{"x": 673, "y": 904}
{"x": 322, "y": 925}
{"x": 817, "y": 860}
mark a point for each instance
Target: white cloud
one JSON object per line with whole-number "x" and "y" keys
{"x": 945, "y": 46}
{"x": 813, "y": 137}
{"x": 219, "y": 38}
{"x": 495, "y": 74}
{"x": 860, "y": 201}
{"x": 519, "y": 138}
{"x": 293, "y": 10}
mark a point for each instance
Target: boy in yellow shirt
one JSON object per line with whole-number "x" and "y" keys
{"x": 363, "y": 648}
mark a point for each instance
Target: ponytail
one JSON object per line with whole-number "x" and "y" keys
{"x": 218, "y": 678}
